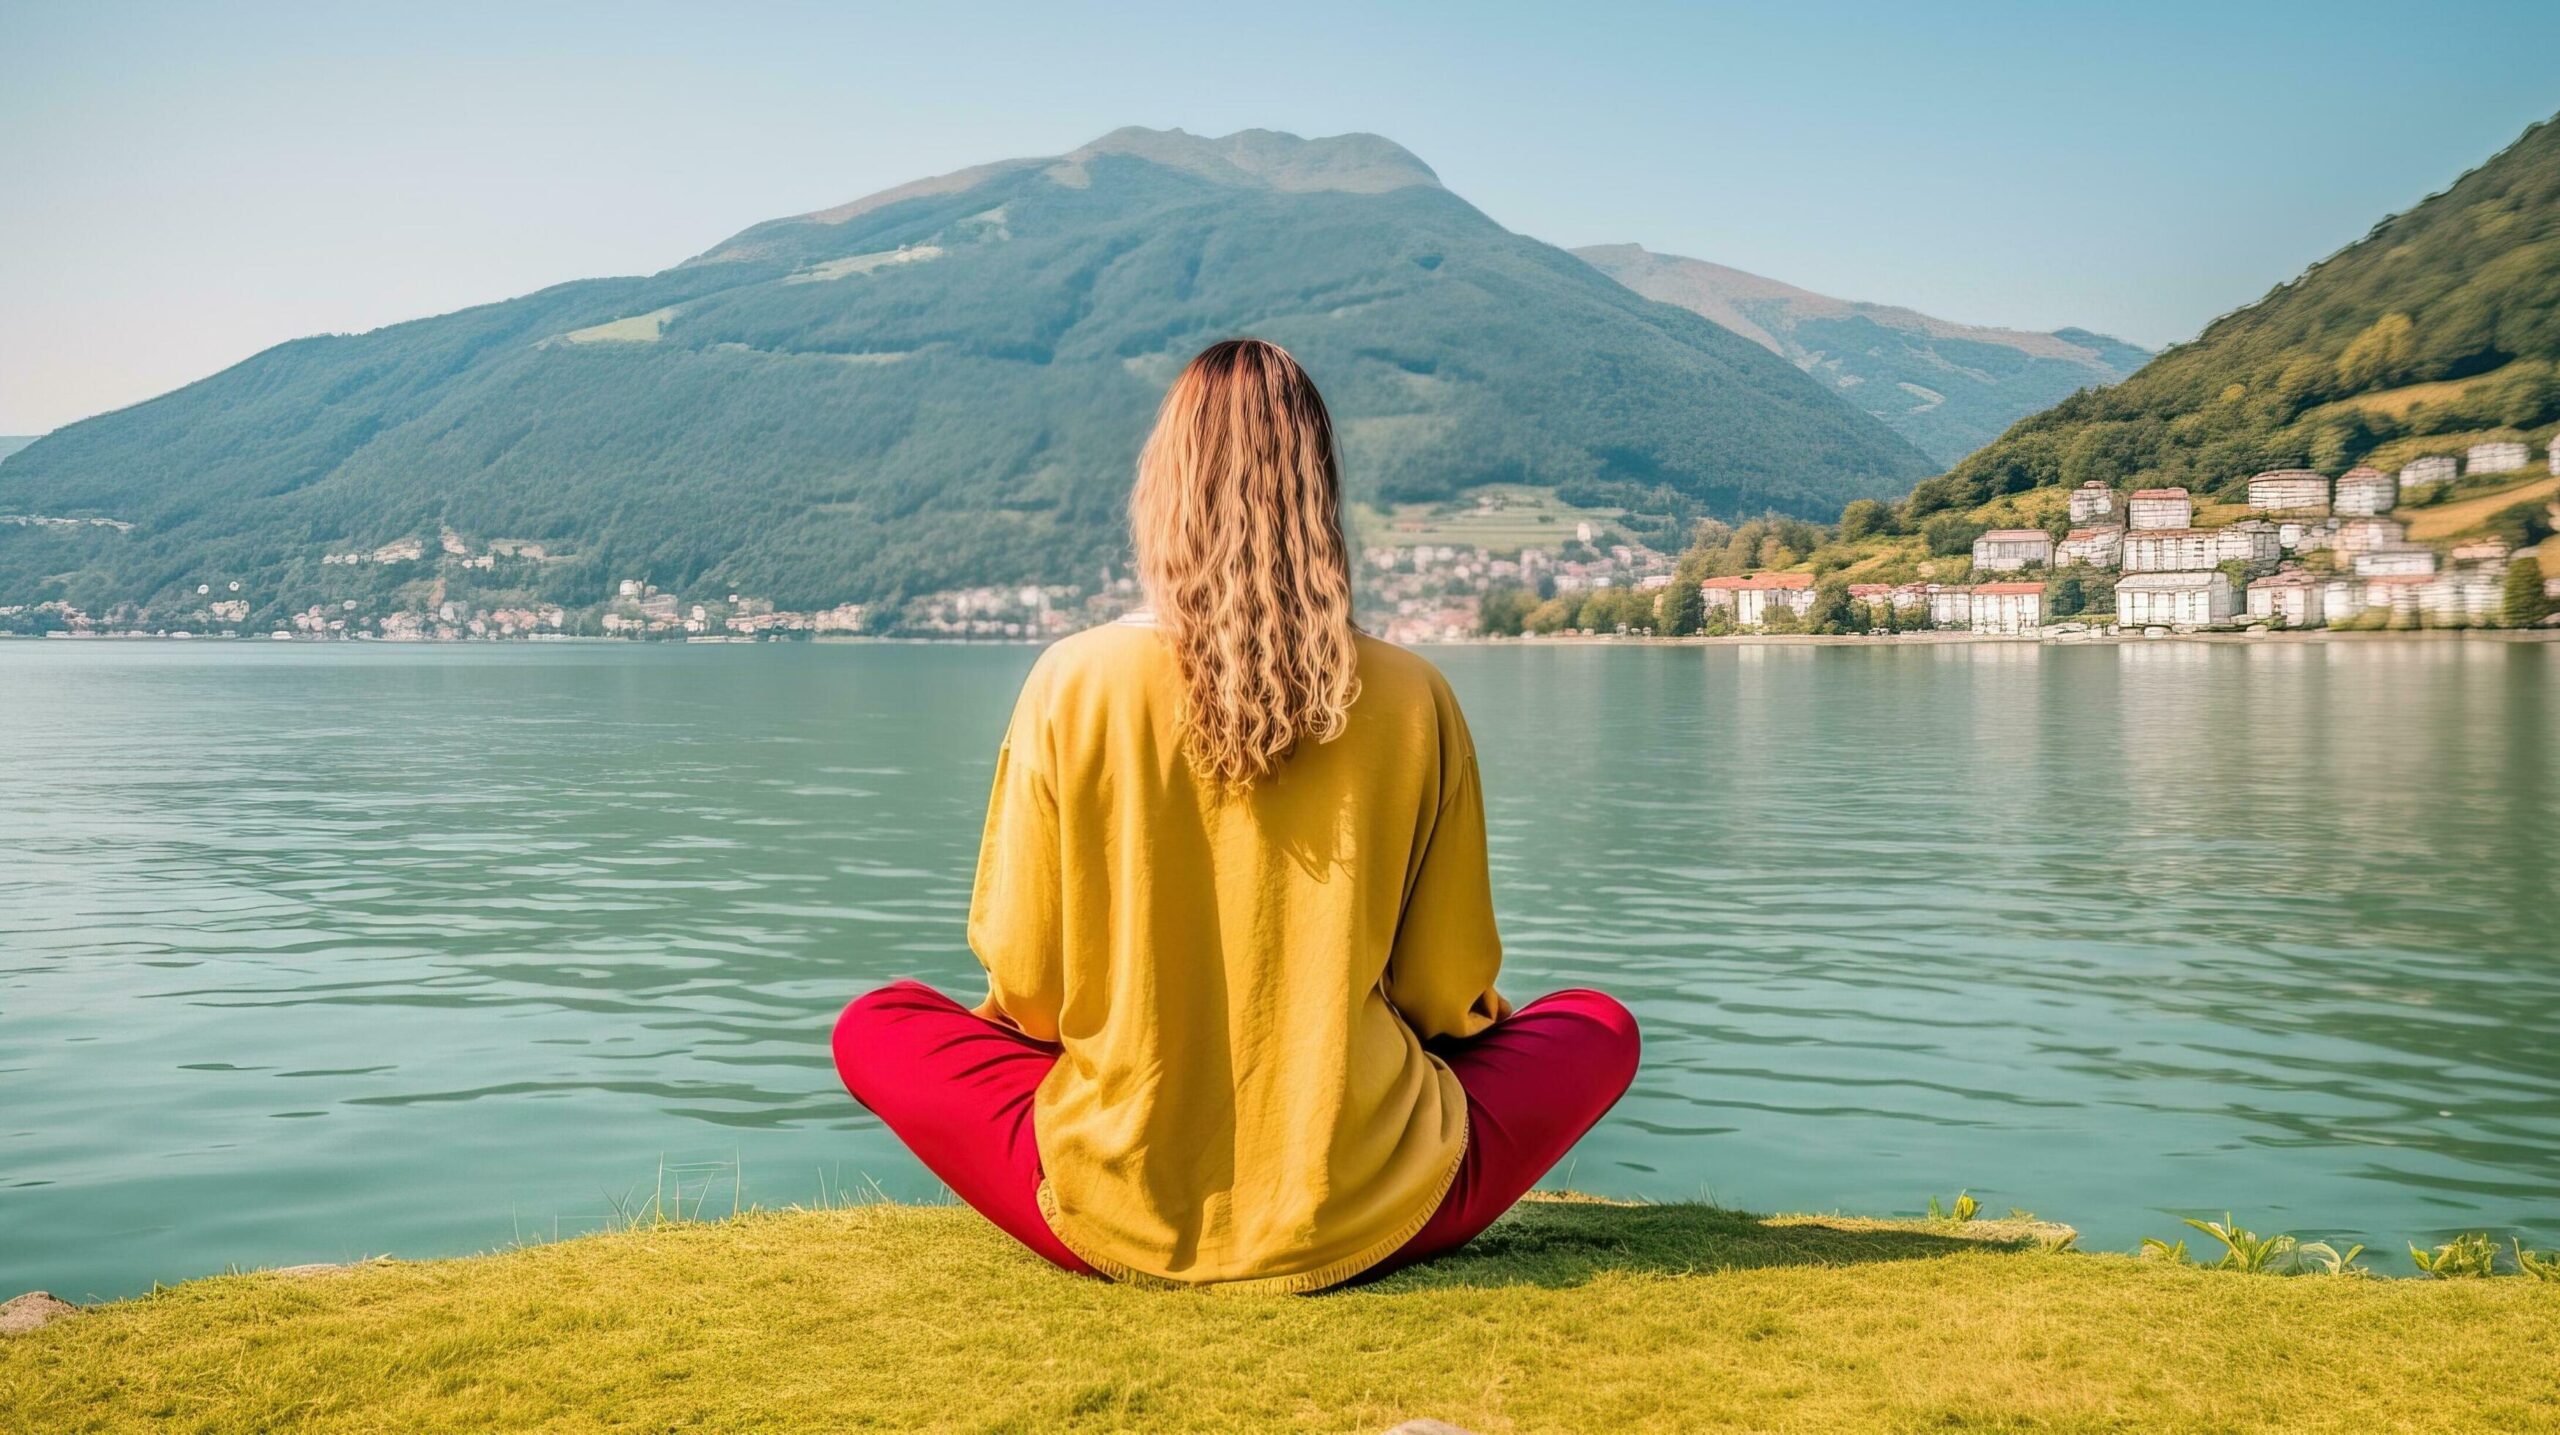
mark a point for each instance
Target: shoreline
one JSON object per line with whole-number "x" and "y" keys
{"x": 2222, "y": 636}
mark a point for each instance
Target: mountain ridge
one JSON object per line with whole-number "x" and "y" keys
{"x": 1949, "y": 387}
{"x": 938, "y": 385}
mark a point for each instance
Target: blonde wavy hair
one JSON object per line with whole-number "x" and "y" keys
{"x": 1238, "y": 525}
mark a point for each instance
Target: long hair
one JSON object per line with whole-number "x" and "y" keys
{"x": 1238, "y": 524}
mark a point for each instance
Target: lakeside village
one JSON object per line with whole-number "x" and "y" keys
{"x": 2304, "y": 551}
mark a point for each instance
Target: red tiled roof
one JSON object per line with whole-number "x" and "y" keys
{"x": 2159, "y": 493}
{"x": 2083, "y": 535}
{"x": 2013, "y": 535}
{"x": 2362, "y": 470}
{"x": 1868, "y": 590}
{"x": 2007, "y": 588}
{"x": 1764, "y": 582}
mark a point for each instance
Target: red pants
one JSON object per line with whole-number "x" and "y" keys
{"x": 957, "y": 1089}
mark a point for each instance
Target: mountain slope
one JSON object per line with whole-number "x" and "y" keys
{"x": 2439, "y": 328}
{"x": 11, "y": 443}
{"x": 942, "y": 384}
{"x": 1949, "y": 388}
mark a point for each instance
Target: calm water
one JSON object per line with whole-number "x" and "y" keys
{"x": 308, "y": 954}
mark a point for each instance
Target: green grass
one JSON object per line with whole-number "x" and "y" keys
{"x": 1567, "y": 1316}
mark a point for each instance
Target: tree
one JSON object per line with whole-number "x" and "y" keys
{"x": 1830, "y": 611}
{"x": 1950, "y": 535}
{"x": 1864, "y": 518}
{"x": 1682, "y": 610}
{"x": 2378, "y": 357}
{"x": 2524, "y": 603}
{"x": 1503, "y": 611}
{"x": 2065, "y": 594}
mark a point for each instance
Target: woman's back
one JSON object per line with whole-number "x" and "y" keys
{"x": 1241, "y": 978}
{"x": 1233, "y": 879}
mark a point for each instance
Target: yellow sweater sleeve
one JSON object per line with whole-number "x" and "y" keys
{"x": 1015, "y": 928}
{"x": 1447, "y": 952}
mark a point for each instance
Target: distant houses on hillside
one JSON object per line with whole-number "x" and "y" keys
{"x": 2311, "y": 551}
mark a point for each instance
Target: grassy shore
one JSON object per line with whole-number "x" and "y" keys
{"x": 1568, "y": 1316}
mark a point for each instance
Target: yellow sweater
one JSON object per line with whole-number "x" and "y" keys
{"x": 1242, "y": 985}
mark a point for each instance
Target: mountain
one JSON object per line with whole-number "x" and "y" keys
{"x": 10, "y": 444}
{"x": 939, "y": 385}
{"x": 2438, "y": 329}
{"x": 1949, "y": 388}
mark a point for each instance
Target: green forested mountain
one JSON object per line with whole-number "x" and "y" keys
{"x": 1949, "y": 388}
{"x": 939, "y": 385}
{"x": 2438, "y": 329}
{"x": 11, "y": 443}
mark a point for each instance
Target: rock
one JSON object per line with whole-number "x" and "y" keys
{"x": 33, "y": 1311}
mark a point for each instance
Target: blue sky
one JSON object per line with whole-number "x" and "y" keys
{"x": 181, "y": 186}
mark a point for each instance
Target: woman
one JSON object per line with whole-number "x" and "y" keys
{"x": 1233, "y": 882}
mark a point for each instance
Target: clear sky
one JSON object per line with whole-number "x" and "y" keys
{"x": 181, "y": 186}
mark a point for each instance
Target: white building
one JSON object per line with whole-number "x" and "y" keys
{"x": 2471, "y": 595}
{"x": 2289, "y": 490}
{"x": 2490, "y": 552}
{"x": 2251, "y": 540}
{"x": 2341, "y": 597}
{"x": 2399, "y": 561}
{"x": 2008, "y": 608}
{"x": 2292, "y": 595}
{"x": 2192, "y": 599}
{"x": 2364, "y": 535}
{"x": 2006, "y": 550}
{"x": 2096, "y": 547}
{"x": 2094, "y": 503}
{"x": 2435, "y": 468}
{"x": 2498, "y": 457}
{"x": 2161, "y": 508}
{"x": 2402, "y": 593}
{"x": 1753, "y": 598}
{"x": 2169, "y": 550}
{"x": 1950, "y": 606}
{"x": 2365, "y": 490}
{"x": 2305, "y": 535}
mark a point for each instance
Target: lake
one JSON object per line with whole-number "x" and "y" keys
{"x": 311, "y": 953}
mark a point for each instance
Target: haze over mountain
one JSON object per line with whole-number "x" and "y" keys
{"x": 938, "y": 385}
{"x": 11, "y": 443}
{"x": 1949, "y": 388}
{"x": 2437, "y": 330}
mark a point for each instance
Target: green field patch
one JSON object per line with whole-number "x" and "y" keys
{"x": 638, "y": 329}
{"x": 854, "y": 264}
{"x": 1501, "y": 518}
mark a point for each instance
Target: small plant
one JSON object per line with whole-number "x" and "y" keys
{"x": 2322, "y": 1258}
{"x": 2244, "y": 1249}
{"x": 2469, "y": 1256}
{"x": 2541, "y": 1265}
{"x": 2174, "y": 1252}
{"x": 1964, "y": 1209}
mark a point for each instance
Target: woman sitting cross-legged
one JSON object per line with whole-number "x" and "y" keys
{"x": 1241, "y": 1026}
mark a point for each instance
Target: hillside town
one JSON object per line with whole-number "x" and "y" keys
{"x": 2304, "y": 551}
